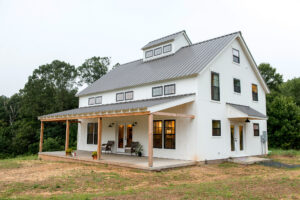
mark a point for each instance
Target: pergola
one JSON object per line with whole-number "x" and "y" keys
{"x": 149, "y": 109}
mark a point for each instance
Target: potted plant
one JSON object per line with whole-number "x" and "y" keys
{"x": 94, "y": 155}
{"x": 139, "y": 150}
{"x": 69, "y": 152}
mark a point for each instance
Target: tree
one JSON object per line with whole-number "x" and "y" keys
{"x": 291, "y": 88}
{"x": 272, "y": 79}
{"x": 93, "y": 69}
{"x": 283, "y": 123}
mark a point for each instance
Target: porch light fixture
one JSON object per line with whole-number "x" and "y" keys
{"x": 111, "y": 125}
{"x": 134, "y": 123}
{"x": 247, "y": 120}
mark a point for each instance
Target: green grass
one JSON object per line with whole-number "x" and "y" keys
{"x": 12, "y": 163}
{"x": 283, "y": 152}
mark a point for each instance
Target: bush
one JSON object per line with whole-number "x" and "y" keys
{"x": 52, "y": 144}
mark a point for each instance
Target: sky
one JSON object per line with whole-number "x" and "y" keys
{"x": 35, "y": 32}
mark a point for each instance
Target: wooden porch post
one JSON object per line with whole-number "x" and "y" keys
{"x": 67, "y": 134}
{"x": 99, "y": 138}
{"x": 41, "y": 136}
{"x": 150, "y": 140}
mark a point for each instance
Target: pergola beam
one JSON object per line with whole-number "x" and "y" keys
{"x": 99, "y": 138}
{"x": 174, "y": 115}
{"x": 41, "y": 137}
{"x": 94, "y": 116}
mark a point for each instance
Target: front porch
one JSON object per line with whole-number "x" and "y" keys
{"x": 117, "y": 160}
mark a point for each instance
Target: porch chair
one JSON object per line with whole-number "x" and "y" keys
{"x": 108, "y": 146}
{"x": 134, "y": 146}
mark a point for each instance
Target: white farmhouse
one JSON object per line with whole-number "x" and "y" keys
{"x": 201, "y": 101}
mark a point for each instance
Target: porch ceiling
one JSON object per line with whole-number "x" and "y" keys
{"x": 240, "y": 112}
{"x": 139, "y": 107}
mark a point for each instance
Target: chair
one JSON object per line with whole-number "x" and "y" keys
{"x": 134, "y": 146}
{"x": 108, "y": 146}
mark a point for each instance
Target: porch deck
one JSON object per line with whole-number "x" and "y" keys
{"x": 118, "y": 160}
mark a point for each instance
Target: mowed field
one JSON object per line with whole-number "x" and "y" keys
{"x": 30, "y": 178}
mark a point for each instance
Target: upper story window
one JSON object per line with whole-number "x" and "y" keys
{"x": 120, "y": 96}
{"x": 92, "y": 101}
{"x": 157, "y": 51}
{"x": 236, "y": 55}
{"x": 254, "y": 92}
{"x": 215, "y": 86}
{"x": 169, "y": 89}
{"x": 237, "y": 85}
{"x": 129, "y": 95}
{"x": 98, "y": 100}
{"x": 149, "y": 54}
{"x": 256, "y": 129}
{"x": 167, "y": 48}
{"x": 216, "y": 127}
{"x": 157, "y": 91}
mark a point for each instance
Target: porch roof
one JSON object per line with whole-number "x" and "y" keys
{"x": 146, "y": 105}
{"x": 236, "y": 111}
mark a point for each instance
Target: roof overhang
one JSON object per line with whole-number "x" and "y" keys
{"x": 241, "y": 113}
{"x": 132, "y": 108}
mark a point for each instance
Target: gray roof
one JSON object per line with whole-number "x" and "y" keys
{"x": 248, "y": 110}
{"x": 163, "y": 40}
{"x": 187, "y": 61}
{"x": 118, "y": 106}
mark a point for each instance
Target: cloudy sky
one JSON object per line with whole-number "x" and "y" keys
{"x": 35, "y": 32}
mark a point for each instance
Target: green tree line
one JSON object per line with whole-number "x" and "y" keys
{"x": 52, "y": 88}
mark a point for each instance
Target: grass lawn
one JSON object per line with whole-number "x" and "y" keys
{"x": 30, "y": 178}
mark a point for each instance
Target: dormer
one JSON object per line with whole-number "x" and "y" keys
{"x": 165, "y": 46}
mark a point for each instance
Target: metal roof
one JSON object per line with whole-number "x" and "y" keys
{"x": 187, "y": 61}
{"x": 248, "y": 110}
{"x": 164, "y": 39}
{"x": 146, "y": 103}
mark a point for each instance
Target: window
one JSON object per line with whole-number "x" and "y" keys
{"x": 167, "y": 48}
{"x": 157, "y": 51}
{"x": 215, "y": 86}
{"x": 149, "y": 54}
{"x": 120, "y": 96}
{"x": 237, "y": 85}
{"x": 99, "y": 100}
{"x": 92, "y": 133}
{"x": 169, "y": 139}
{"x": 256, "y": 129}
{"x": 129, "y": 95}
{"x": 236, "y": 55}
{"x": 157, "y": 91}
{"x": 157, "y": 134}
{"x": 92, "y": 101}
{"x": 254, "y": 92}
{"x": 169, "y": 89}
{"x": 216, "y": 127}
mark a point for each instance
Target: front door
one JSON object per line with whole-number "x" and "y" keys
{"x": 124, "y": 136}
{"x": 121, "y": 133}
{"x": 236, "y": 138}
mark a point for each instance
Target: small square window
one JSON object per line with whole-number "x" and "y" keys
{"x": 92, "y": 101}
{"x": 157, "y": 91}
{"x": 120, "y": 96}
{"x": 99, "y": 100}
{"x": 167, "y": 48}
{"x": 236, "y": 55}
{"x": 216, "y": 127}
{"x": 149, "y": 54}
{"x": 129, "y": 95}
{"x": 169, "y": 89}
{"x": 256, "y": 129}
{"x": 237, "y": 85}
{"x": 157, "y": 51}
